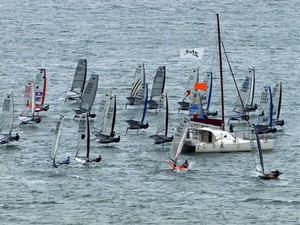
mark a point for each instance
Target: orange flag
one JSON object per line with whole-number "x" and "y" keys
{"x": 200, "y": 86}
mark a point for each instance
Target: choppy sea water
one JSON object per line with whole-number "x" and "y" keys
{"x": 130, "y": 185}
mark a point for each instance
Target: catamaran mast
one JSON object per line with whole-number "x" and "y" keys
{"x": 221, "y": 71}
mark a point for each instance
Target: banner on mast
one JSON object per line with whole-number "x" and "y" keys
{"x": 193, "y": 53}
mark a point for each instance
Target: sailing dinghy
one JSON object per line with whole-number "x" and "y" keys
{"x": 161, "y": 135}
{"x": 40, "y": 91}
{"x": 137, "y": 90}
{"x": 83, "y": 141}
{"x": 265, "y": 119}
{"x": 57, "y": 134}
{"x": 157, "y": 87}
{"x": 28, "y": 115}
{"x": 6, "y": 120}
{"x": 138, "y": 114}
{"x": 177, "y": 146}
{"x": 88, "y": 97}
{"x": 106, "y": 119}
{"x": 78, "y": 81}
{"x": 259, "y": 162}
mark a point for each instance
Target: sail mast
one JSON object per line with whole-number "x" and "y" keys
{"x": 167, "y": 115}
{"x": 145, "y": 103}
{"x": 88, "y": 137}
{"x": 221, "y": 71}
{"x": 45, "y": 84}
{"x": 114, "y": 117}
{"x": 279, "y": 102}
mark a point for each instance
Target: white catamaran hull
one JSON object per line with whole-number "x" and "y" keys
{"x": 212, "y": 140}
{"x": 240, "y": 145}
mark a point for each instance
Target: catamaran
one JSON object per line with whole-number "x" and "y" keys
{"x": 28, "y": 115}
{"x": 138, "y": 114}
{"x": 259, "y": 162}
{"x": 83, "y": 141}
{"x": 7, "y": 120}
{"x": 106, "y": 119}
{"x": 157, "y": 87}
{"x": 40, "y": 91}
{"x": 78, "y": 81}
{"x": 137, "y": 90}
{"x": 204, "y": 137}
{"x": 88, "y": 97}
{"x": 177, "y": 145}
{"x": 161, "y": 135}
{"x": 57, "y": 134}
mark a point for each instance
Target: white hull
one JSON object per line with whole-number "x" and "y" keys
{"x": 240, "y": 145}
{"x": 80, "y": 160}
{"x": 209, "y": 140}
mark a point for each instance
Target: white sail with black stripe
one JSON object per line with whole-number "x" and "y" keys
{"x": 137, "y": 90}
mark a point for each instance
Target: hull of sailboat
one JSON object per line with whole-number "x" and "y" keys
{"x": 209, "y": 121}
{"x": 152, "y": 104}
{"x": 160, "y": 139}
{"x": 204, "y": 139}
{"x": 81, "y": 160}
{"x": 240, "y": 145}
{"x": 135, "y": 125}
{"x": 184, "y": 105}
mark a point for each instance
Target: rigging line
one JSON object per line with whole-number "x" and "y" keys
{"x": 244, "y": 110}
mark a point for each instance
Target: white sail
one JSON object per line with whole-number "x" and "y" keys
{"x": 250, "y": 99}
{"x": 161, "y": 115}
{"x": 257, "y": 153}
{"x": 40, "y": 87}
{"x": 7, "y": 116}
{"x": 189, "y": 88}
{"x": 179, "y": 139}
{"x": 105, "y": 115}
{"x": 157, "y": 87}
{"x": 182, "y": 140}
{"x": 241, "y": 100}
{"x": 57, "y": 134}
{"x": 89, "y": 94}
{"x": 140, "y": 80}
{"x": 264, "y": 107}
{"x": 28, "y": 116}
{"x": 137, "y": 89}
{"x": 79, "y": 76}
{"x": 83, "y": 140}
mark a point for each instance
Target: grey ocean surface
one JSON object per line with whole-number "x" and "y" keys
{"x": 130, "y": 185}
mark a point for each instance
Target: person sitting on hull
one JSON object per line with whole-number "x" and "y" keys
{"x": 273, "y": 175}
{"x": 185, "y": 164}
{"x": 98, "y": 159}
{"x": 66, "y": 161}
